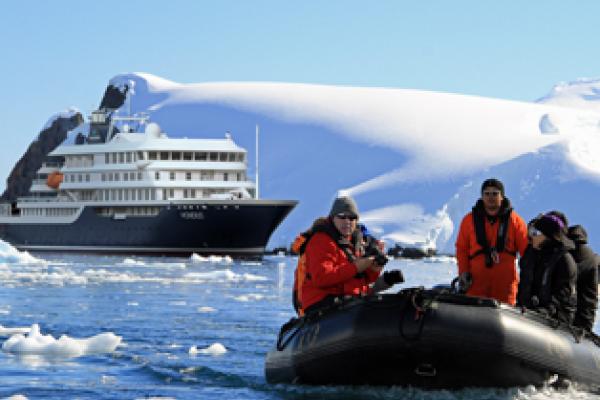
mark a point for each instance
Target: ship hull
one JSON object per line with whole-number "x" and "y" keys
{"x": 235, "y": 228}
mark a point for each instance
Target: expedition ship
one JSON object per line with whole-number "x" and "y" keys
{"x": 120, "y": 191}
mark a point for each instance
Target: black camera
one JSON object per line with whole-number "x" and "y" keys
{"x": 371, "y": 249}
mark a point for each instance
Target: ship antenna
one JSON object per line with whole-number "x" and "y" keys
{"x": 256, "y": 191}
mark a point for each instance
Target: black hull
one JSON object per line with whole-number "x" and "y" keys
{"x": 457, "y": 342}
{"x": 235, "y": 228}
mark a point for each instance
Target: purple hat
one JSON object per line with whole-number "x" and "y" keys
{"x": 550, "y": 225}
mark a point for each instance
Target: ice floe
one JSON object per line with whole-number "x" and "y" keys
{"x": 196, "y": 258}
{"x": 215, "y": 349}
{"x": 36, "y": 343}
{"x": 249, "y": 297}
{"x": 6, "y": 331}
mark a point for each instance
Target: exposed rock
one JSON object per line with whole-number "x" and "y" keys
{"x": 113, "y": 98}
{"x": 19, "y": 180}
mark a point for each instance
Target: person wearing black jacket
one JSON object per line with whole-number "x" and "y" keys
{"x": 548, "y": 272}
{"x": 587, "y": 278}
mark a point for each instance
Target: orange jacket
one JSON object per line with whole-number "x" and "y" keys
{"x": 329, "y": 272}
{"x": 500, "y": 280}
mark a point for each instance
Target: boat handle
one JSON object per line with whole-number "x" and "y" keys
{"x": 426, "y": 370}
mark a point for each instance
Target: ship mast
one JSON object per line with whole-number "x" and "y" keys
{"x": 256, "y": 160}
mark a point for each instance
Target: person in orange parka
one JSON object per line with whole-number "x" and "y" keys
{"x": 334, "y": 262}
{"x": 488, "y": 241}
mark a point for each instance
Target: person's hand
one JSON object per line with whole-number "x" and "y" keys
{"x": 465, "y": 280}
{"x": 376, "y": 267}
{"x": 362, "y": 263}
{"x": 392, "y": 277}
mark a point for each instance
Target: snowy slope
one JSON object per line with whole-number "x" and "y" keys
{"x": 414, "y": 160}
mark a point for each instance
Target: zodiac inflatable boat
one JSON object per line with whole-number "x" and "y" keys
{"x": 431, "y": 339}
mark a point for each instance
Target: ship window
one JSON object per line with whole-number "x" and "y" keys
{"x": 106, "y": 158}
{"x": 113, "y": 194}
{"x": 140, "y": 155}
{"x": 139, "y": 176}
{"x": 164, "y": 194}
{"x": 87, "y": 177}
{"x": 128, "y": 157}
{"x": 185, "y": 194}
{"x": 200, "y": 156}
{"x": 133, "y": 195}
{"x": 121, "y": 158}
{"x": 225, "y": 176}
{"x": 79, "y": 178}
{"x": 126, "y": 195}
{"x": 120, "y": 192}
{"x": 103, "y": 177}
{"x": 240, "y": 157}
{"x": 157, "y": 175}
{"x": 132, "y": 176}
{"x": 187, "y": 156}
{"x": 171, "y": 193}
{"x": 214, "y": 156}
{"x": 172, "y": 176}
{"x": 152, "y": 195}
{"x": 147, "y": 194}
{"x": 188, "y": 176}
{"x": 125, "y": 176}
{"x": 117, "y": 176}
{"x": 176, "y": 155}
{"x": 152, "y": 155}
{"x": 164, "y": 155}
{"x": 222, "y": 156}
{"x": 114, "y": 158}
{"x": 193, "y": 193}
{"x": 231, "y": 157}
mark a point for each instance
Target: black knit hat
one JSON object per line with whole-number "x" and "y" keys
{"x": 344, "y": 205}
{"x": 550, "y": 225}
{"x": 493, "y": 182}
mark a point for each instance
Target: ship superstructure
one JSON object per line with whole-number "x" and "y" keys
{"x": 119, "y": 190}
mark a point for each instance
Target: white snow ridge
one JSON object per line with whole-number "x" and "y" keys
{"x": 412, "y": 152}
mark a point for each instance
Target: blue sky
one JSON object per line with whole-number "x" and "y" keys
{"x": 62, "y": 53}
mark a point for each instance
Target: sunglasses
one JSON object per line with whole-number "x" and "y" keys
{"x": 493, "y": 193}
{"x": 346, "y": 216}
{"x": 531, "y": 231}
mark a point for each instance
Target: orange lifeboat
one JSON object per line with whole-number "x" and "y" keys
{"x": 54, "y": 179}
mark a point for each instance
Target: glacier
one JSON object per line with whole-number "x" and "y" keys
{"x": 414, "y": 160}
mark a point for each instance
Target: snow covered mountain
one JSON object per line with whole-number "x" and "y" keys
{"x": 414, "y": 160}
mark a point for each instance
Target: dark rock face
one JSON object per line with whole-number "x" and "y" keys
{"x": 113, "y": 98}
{"x": 19, "y": 180}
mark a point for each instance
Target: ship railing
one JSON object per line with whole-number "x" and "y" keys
{"x": 52, "y": 164}
{"x": 43, "y": 199}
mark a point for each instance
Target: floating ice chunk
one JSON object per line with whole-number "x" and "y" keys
{"x": 16, "y": 397}
{"x": 215, "y": 349}
{"x": 226, "y": 275}
{"x": 10, "y": 255}
{"x": 206, "y": 309}
{"x": 4, "y": 331}
{"x": 196, "y": 258}
{"x": 249, "y": 297}
{"x": 35, "y": 343}
{"x": 132, "y": 261}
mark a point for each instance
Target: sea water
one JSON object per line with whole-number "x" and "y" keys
{"x": 187, "y": 328}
